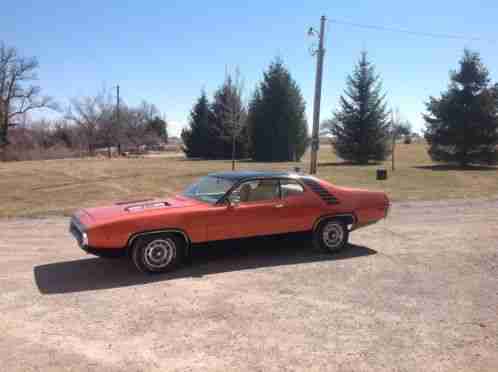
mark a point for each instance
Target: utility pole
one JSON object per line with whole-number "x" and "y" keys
{"x": 118, "y": 116}
{"x": 393, "y": 132}
{"x": 315, "y": 141}
{"x": 234, "y": 128}
{"x": 233, "y": 150}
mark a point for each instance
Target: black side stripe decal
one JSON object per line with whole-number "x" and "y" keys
{"x": 320, "y": 191}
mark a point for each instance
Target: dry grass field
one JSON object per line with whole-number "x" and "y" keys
{"x": 57, "y": 187}
{"x": 417, "y": 291}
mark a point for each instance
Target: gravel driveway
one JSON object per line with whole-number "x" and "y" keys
{"x": 417, "y": 292}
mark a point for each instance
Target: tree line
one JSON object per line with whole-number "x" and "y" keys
{"x": 461, "y": 123}
{"x": 272, "y": 126}
{"x": 100, "y": 125}
{"x": 87, "y": 124}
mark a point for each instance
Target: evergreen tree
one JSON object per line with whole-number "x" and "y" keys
{"x": 229, "y": 120}
{"x": 277, "y": 121}
{"x": 462, "y": 125}
{"x": 196, "y": 138}
{"x": 361, "y": 127}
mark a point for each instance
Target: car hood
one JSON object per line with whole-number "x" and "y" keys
{"x": 125, "y": 209}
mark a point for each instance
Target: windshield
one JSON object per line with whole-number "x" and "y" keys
{"x": 209, "y": 189}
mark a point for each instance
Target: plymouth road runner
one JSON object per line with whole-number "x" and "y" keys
{"x": 157, "y": 234}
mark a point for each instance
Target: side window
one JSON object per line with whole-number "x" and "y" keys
{"x": 290, "y": 188}
{"x": 258, "y": 190}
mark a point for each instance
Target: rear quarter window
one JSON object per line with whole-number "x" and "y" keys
{"x": 290, "y": 188}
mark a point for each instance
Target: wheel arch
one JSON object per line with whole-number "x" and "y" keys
{"x": 174, "y": 231}
{"x": 348, "y": 218}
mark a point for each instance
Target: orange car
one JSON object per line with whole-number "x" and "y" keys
{"x": 158, "y": 233}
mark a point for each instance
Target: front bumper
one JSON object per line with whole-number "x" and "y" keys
{"x": 78, "y": 231}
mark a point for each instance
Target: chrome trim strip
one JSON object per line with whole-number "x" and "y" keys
{"x": 132, "y": 238}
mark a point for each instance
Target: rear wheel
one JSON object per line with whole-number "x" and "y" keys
{"x": 331, "y": 235}
{"x": 158, "y": 253}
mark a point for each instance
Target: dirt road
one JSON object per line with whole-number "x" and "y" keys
{"x": 417, "y": 292}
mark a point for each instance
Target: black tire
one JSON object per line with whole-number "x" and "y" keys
{"x": 331, "y": 235}
{"x": 158, "y": 253}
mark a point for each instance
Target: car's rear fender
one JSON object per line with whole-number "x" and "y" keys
{"x": 349, "y": 219}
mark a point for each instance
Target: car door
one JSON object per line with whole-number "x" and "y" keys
{"x": 297, "y": 210}
{"x": 252, "y": 210}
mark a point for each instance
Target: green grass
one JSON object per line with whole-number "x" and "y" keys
{"x": 58, "y": 187}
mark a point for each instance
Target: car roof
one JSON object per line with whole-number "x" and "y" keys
{"x": 241, "y": 175}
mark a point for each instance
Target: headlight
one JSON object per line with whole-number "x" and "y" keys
{"x": 78, "y": 231}
{"x": 84, "y": 239}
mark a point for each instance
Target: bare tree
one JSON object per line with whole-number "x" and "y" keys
{"x": 110, "y": 132}
{"x": 17, "y": 95}
{"x": 95, "y": 118}
{"x": 399, "y": 128}
{"x": 234, "y": 114}
{"x": 86, "y": 114}
{"x": 136, "y": 122}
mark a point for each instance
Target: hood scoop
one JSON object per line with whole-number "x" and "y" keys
{"x": 133, "y": 201}
{"x": 146, "y": 206}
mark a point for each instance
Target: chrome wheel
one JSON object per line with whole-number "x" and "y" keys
{"x": 333, "y": 235}
{"x": 159, "y": 253}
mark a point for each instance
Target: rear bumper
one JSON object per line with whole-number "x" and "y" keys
{"x": 387, "y": 208}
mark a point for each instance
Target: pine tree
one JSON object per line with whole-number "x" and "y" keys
{"x": 277, "y": 121}
{"x": 361, "y": 127}
{"x": 229, "y": 120}
{"x": 462, "y": 125}
{"x": 196, "y": 139}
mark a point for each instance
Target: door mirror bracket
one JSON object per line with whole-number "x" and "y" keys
{"x": 231, "y": 203}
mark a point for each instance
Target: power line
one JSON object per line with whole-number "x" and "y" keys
{"x": 412, "y": 32}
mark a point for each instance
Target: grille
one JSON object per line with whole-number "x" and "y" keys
{"x": 323, "y": 193}
{"x": 76, "y": 232}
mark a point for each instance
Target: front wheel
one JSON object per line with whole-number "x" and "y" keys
{"x": 331, "y": 235}
{"x": 157, "y": 253}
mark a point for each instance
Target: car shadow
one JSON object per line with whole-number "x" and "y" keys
{"x": 97, "y": 273}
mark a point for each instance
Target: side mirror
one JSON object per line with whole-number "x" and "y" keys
{"x": 231, "y": 203}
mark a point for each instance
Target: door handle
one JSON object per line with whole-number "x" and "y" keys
{"x": 279, "y": 206}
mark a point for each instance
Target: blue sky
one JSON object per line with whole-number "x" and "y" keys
{"x": 166, "y": 51}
